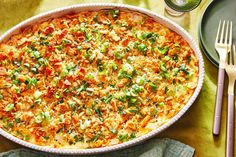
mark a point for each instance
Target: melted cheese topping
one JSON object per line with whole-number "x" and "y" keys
{"x": 93, "y": 79}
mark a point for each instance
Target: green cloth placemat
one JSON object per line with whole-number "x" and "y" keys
{"x": 152, "y": 148}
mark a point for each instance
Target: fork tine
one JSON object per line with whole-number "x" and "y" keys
{"x": 230, "y": 33}
{"x": 234, "y": 53}
{"x": 226, "y": 34}
{"x": 218, "y": 32}
{"x": 230, "y": 54}
{"x": 222, "y": 32}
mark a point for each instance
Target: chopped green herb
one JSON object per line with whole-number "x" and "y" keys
{"x": 184, "y": 69}
{"x": 163, "y": 50}
{"x": 1, "y": 96}
{"x": 79, "y": 48}
{"x": 107, "y": 99}
{"x": 165, "y": 75}
{"x": 136, "y": 88}
{"x": 143, "y": 48}
{"x": 163, "y": 67}
{"x": 17, "y": 120}
{"x": 36, "y": 54}
{"x": 166, "y": 89}
{"x": 57, "y": 95}
{"x": 114, "y": 66}
{"x": 9, "y": 107}
{"x": 95, "y": 18}
{"x": 27, "y": 65}
{"x": 176, "y": 71}
{"x": 94, "y": 138}
{"x": 59, "y": 47}
{"x": 39, "y": 118}
{"x": 82, "y": 88}
{"x": 140, "y": 80}
{"x": 134, "y": 111}
{"x": 43, "y": 61}
{"x": 132, "y": 136}
{"x": 127, "y": 71}
{"x": 167, "y": 58}
{"x": 161, "y": 104}
{"x": 154, "y": 87}
{"x": 98, "y": 112}
{"x": 34, "y": 70}
{"x": 61, "y": 118}
{"x": 65, "y": 41}
{"x": 123, "y": 137}
{"x": 72, "y": 105}
{"x": 115, "y": 14}
{"x": 114, "y": 131}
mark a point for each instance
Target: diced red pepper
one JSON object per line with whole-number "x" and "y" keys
{"x": 2, "y": 57}
{"x": 82, "y": 70}
{"x": 63, "y": 33}
{"x": 48, "y": 71}
{"x": 48, "y": 30}
{"x": 21, "y": 54}
{"x": 51, "y": 48}
{"x": 39, "y": 133}
{"x": 10, "y": 55}
{"x": 125, "y": 42}
{"x": 14, "y": 97}
{"x": 50, "y": 91}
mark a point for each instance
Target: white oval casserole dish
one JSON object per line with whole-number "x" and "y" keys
{"x": 98, "y": 6}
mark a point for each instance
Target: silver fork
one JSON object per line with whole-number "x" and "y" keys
{"x": 222, "y": 44}
{"x": 231, "y": 72}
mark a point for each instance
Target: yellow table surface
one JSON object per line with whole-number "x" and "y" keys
{"x": 195, "y": 127}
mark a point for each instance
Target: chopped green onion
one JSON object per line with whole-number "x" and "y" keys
{"x": 27, "y": 65}
{"x": 163, "y": 67}
{"x": 47, "y": 116}
{"x": 66, "y": 41}
{"x": 17, "y": 120}
{"x": 161, "y": 104}
{"x": 114, "y": 131}
{"x": 9, "y": 107}
{"x": 154, "y": 87}
{"x": 184, "y": 69}
{"x": 165, "y": 75}
{"x": 39, "y": 118}
{"x": 1, "y": 96}
{"x": 98, "y": 112}
{"x": 57, "y": 95}
{"x": 43, "y": 61}
{"x": 142, "y": 47}
{"x": 59, "y": 47}
{"x": 61, "y": 118}
{"x": 123, "y": 137}
{"x": 72, "y": 105}
{"x": 163, "y": 50}
{"x": 132, "y": 136}
{"x": 82, "y": 88}
{"x": 140, "y": 80}
{"x": 95, "y": 18}
{"x": 107, "y": 99}
{"x": 167, "y": 58}
{"x": 34, "y": 70}
{"x": 79, "y": 48}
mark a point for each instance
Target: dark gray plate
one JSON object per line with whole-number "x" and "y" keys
{"x": 216, "y": 11}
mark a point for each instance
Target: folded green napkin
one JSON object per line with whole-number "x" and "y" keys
{"x": 152, "y": 148}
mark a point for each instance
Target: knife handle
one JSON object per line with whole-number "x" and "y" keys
{"x": 219, "y": 98}
{"x": 230, "y": 127}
